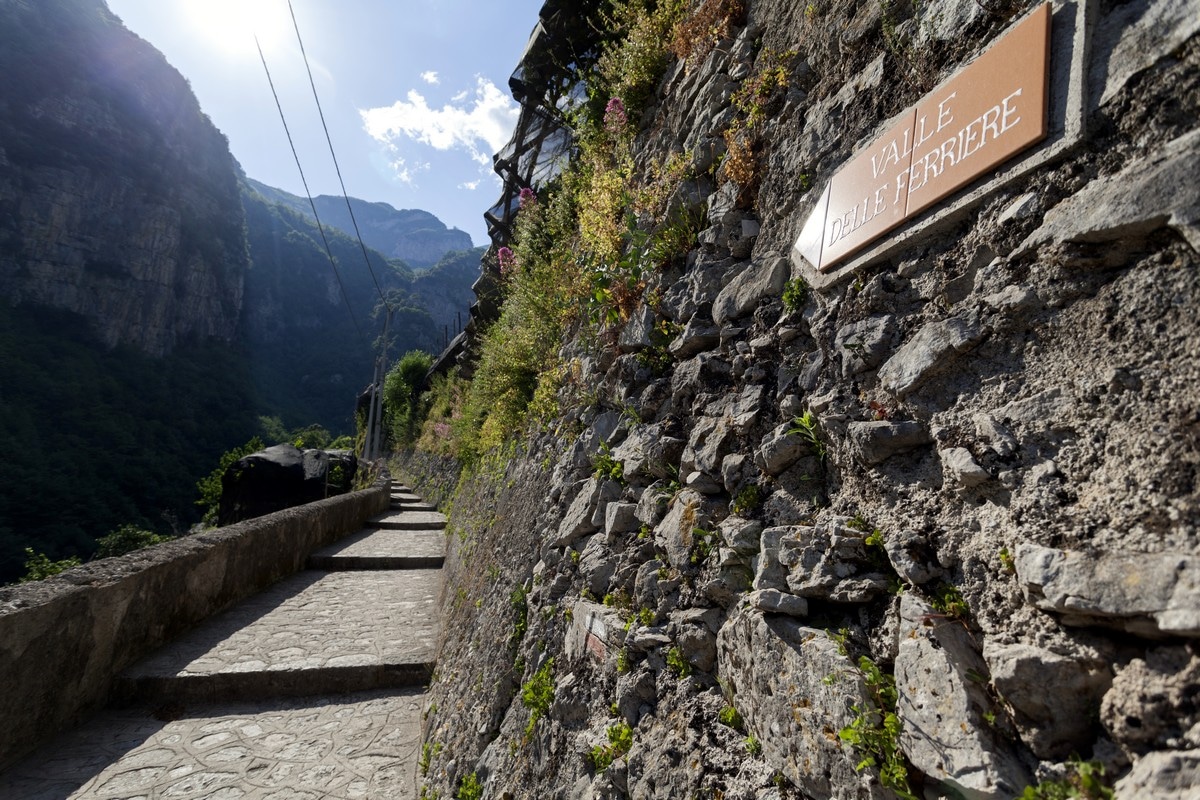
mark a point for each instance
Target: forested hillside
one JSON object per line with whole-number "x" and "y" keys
{"x": 153, "y": 307}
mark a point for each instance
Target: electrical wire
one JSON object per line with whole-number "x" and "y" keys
{"x": 333, "y": 155}
{"x": 312, "y": 204}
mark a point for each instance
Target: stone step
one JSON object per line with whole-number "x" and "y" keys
{"x": 314, "y": 633}
{"x": 383, "y": 549}
{"x": 356, "y": 745}
{"x": 409, "y": 521}
{"x": 417, "y": 506}
{"x": 405, "y": 497}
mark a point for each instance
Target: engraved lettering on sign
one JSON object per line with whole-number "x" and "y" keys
{"x": 987, "y": 113}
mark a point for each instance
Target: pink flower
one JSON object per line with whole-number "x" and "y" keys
{"x": 507, "y": 260}
{"x": 615, "y": 118}
{"x": 442, "y": 430}
{"x": 528, "y": 197}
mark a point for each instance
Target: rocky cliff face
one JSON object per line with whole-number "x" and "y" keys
{"x": 118, "y": 197}
{"x": 928, "y": 529}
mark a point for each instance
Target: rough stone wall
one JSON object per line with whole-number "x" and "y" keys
{"x": 992, "y": 499}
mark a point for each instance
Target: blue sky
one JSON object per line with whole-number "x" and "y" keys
{"x": 415, "y": 92}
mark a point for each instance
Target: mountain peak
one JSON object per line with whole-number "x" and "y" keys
{"x": 412, "y": 235}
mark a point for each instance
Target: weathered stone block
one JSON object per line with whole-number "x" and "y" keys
{"x": 932, "y": 349}
{"x": 758, "y": 281}
{"x": 1149, "y": 594}
{"x": 776, "y": 670}
{"x": 941, "y": 708}
{"x": 878, "y": 440}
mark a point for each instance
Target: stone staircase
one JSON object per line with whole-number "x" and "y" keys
{"x": 310, "y": 689}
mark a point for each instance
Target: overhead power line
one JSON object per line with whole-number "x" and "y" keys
{"x": 336, "y": 167}
{"x": 312, "y": 204}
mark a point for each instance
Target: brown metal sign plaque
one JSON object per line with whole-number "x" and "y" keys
{"x": 987, "y": 113}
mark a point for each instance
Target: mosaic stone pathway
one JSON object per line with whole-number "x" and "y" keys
{"x": 311, "y": 689}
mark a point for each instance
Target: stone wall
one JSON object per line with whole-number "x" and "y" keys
{"x": 929, "y": 529}
{"x": 63, "y": 640}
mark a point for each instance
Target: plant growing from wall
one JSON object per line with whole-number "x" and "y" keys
{"x": 805, "y": 426}
{"x": 1084, "y": 782}
{"x": 620, "y": 740}
{"x": 537, "y": 694}
{"x": 695, "y": 37}
{"x": 469, "y": 788}
{"x": 126, "y": 539}
{"x": 875, "y": 731}
{"x": 795, "y": 294}
{"x": 38, "y": 566}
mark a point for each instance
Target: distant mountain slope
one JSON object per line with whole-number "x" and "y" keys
{"x": 118, "y": 196}
{"x": 309, "y": 353}
{"x": 416, "y": 237}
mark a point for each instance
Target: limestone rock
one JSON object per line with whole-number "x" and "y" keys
{"x": 620, "y": 518}
{"x": 775, "y": 669}
{"x": 1134, "y": 37}
{"x": 878, "y": 440}
{"x": 1149, "y": 194}
{"x": 579, "y": 520}
{"x": 941, "y": 708}
{"x": 741, "y": 535}
{"x": 638, "y": 331}
{"x": 1154, "y": 702}
{"x": 830, "y": 562}
{"x": 696, "y": 337}
{"x": 933, "y": 348}
{"x": 758, "y": 281}
{"x": 597, "y": 565}
{"x": 773, "y": 601}
{"x": 864, "y": 344}
{"x": 1165, "y": 775}
{"x": 960, "y": 469}
{"x": 1056, "y": 698}
{"x": 1149, "y": 594}
{"x": 779, "y": 450}
{"x": 674, "y": 533}
{"x": 912, "y": 556}
{"x": 710, "y": 441}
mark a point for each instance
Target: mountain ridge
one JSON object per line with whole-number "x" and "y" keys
{"x": 413, "y": 235}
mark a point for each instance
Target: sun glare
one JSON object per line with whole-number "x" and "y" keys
{"x": 231, "y": 25}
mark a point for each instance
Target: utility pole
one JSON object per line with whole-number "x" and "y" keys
{"x": 373, "y": 444}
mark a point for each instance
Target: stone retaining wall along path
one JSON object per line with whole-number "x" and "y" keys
{"x": 310, "y": 689}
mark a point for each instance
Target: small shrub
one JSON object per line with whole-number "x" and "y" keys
{"x": 704, "y": 543}
{"x": 606, "y": 467}
{"x": 126, "y": 539}
{"x": 805, "y": 426}
{"x": 1085, "y": 782}
{"x": 875, "y": 731}
{"x": 677, "y": 663}
{"x": 753, "y": 745}
{"x": 748, "y": 500}
{"x": 537, "y": 694}
{"x": 948, "y": 600}
{"x": 38, "y": 566}
{"x": 469, "y": 788}
{"x": 620, "y": 740}
{"x": 731, "y": 717}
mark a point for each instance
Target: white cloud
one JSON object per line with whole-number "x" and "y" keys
{"x": 480, "y": 126}
{"x": 430, "y": 77}
{"x": 407, "y": 173}
{"x": 458, "y": 98}
{"x": 469, "y": 185}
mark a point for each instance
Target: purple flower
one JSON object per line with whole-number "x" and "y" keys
{"x": 528, "y": 196}
{"x": 442, "y": 430}
{"x": 506, "y": 258}
{"x": 615, "y": 117}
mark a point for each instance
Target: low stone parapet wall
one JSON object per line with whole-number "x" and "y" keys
{"x": 64, "y": 640}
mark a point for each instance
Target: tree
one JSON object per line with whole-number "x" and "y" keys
{"x": 401, "y": 395}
